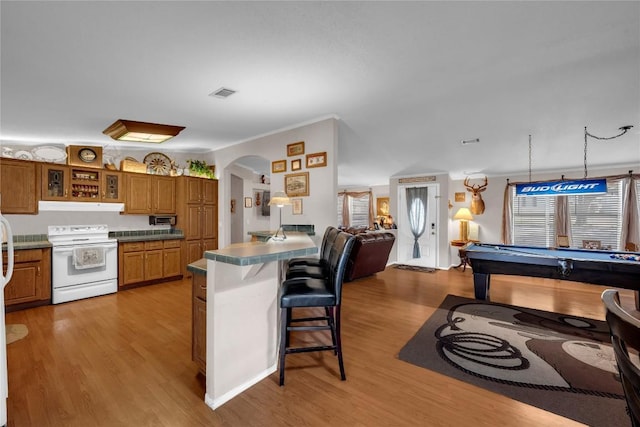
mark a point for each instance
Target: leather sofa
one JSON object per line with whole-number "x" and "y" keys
{"x": 369, "y": 255}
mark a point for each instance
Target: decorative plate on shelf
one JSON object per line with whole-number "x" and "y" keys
{"x": 158, "y": 163}
{"x": 49, "y": 154}
{"x": 23, "y": 155}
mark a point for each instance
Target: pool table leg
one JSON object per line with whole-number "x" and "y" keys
{"x": 637, "y": 294}
{"x": 481, "y": 285}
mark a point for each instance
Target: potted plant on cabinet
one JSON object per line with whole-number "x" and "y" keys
{"x": 201, "y": 169}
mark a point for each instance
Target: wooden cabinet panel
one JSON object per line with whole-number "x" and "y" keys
{"x": 153, "y": 245}
{"x": 199, "y": 324}
{"x": 55, "y": 182}
{"x": 132, "y": 270}
{"x": 194, "y": 250}
{"x": 23, "y": 286}
{"x": 193, "y": 190}
{"x": 18, "y": 186}
{"x": 112, "y": 187}
{"x": 198, "y": 214}
{"x": 137, "y": 194}
{"x": 164, "y": 195}
{"x": 149, "y": 262}
{"x": 171, "y": 264}
{"x": 153, "y": 265}
{"x": 209, "y": 221}
{"x": 192, "y": 225}
{"x": 31, "y": 280}
{"x": 210, "y": 192}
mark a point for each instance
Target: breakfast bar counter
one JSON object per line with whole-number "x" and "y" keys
{"x": 243, "y": 281}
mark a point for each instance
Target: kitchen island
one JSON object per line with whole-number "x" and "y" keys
{"x": 243, "y": 282}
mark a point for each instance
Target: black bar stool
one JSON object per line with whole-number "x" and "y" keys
{"x": 314, "y": 267}
{"x": 625, "y": 337}
{"x": 316, "y": 292}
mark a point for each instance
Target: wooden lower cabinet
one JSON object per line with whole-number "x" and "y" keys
{"x": 30, "y": 284}
{"x": 145, "y": 263}
{"x": 199, "y": 322}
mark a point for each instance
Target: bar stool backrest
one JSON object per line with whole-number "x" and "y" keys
{"x": 329, "y": 237}
{"x": 625, "y": 335}
{"x": 338, "y": 257}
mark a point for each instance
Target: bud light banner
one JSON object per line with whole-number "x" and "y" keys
{"x": 562, "y": 188}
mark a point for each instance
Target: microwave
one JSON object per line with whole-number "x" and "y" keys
{"x": 162, "y": 220}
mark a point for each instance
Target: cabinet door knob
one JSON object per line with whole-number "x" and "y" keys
{"x": 38, "y": 271}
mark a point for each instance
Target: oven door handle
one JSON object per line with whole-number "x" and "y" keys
{"x": 69, "y": 249}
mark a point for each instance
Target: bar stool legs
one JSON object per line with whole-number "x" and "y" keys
{"x": 332, "y": 323}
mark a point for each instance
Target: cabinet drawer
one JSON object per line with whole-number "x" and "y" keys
{"x": 153, "y": 245}
{"x": 132, "y": 246}
{"x": 200, "y": 286}
{"x": 24, "y": 256}
{"x": 171, "y": 243}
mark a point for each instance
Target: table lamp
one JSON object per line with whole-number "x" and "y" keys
{"x": 464, "y": 215}
{"x": 279, "y": 199}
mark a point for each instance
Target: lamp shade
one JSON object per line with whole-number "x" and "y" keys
{"x": 128, "y": 130}
{"x": 463, "y": 214}
{"x": 279, "y": 199}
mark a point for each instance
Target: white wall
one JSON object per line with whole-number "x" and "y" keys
{"x": 319, "y": 208}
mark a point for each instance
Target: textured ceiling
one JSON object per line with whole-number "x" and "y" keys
{"x": 408, "y": 80}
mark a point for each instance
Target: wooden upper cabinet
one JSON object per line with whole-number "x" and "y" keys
{"x": 137, "y": 193}
{"x": 112, "y": 187}
{"x": 209, "y": 191}
{"x": 194, "y": 186}
{"x": 164, "y": 194}
{"x": 18, "y": 186}
{"x": 149, "y": 194}
{"x": 55, "y": 182}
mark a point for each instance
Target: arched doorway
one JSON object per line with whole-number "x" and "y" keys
{"x": 248, "y": 180}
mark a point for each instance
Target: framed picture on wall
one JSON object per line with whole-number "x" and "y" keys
{"x": 279, "y": 166}
{"x": 317, "y": 160}
{"x": 297, "y": 184}
{"x": 296, "y": 164}
{"x": 382, "y": 206}
{"x": 296, "y": 206}
{"x": 295, "y": 149}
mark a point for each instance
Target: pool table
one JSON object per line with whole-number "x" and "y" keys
{"x": 579, "y": 265}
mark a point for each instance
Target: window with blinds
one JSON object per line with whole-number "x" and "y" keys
{"x": 533, "y": 220}
{"x": 358, "y": 211}
{"x": 592, "y": 216}
{"x": 597, "y": 217}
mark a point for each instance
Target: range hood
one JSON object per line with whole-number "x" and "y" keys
{"x": 44, "y": 205}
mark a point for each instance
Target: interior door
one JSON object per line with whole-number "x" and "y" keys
{"x": 428, "y": 240}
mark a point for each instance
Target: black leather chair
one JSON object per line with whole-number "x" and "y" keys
{"x": 625, "y": 335}
{"x": 314, "y": 267}
{"x": 310, "y": 292}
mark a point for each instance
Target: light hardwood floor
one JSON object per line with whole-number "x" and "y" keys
{"x": 125, "y": 360}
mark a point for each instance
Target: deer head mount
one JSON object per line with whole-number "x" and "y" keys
{"x": 477, "y": 204}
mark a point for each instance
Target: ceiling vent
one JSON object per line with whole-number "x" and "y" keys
{"x": 223, "y": 92}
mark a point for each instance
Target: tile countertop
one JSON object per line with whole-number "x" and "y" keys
{"x": 39, "y": 241}
{"x": 297, "y": 244}
{"x": 198, "y": 267}
{"x": 146, "y": 235}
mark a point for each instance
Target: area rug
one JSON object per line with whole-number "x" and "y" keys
{"x": 559, "y": 363}
{"x": 414, "y": 268}
{"x": 16, "y": 332}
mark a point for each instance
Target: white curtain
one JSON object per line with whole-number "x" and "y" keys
{"x": 417, "y": 212}
{"x": 630, "y": 235}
